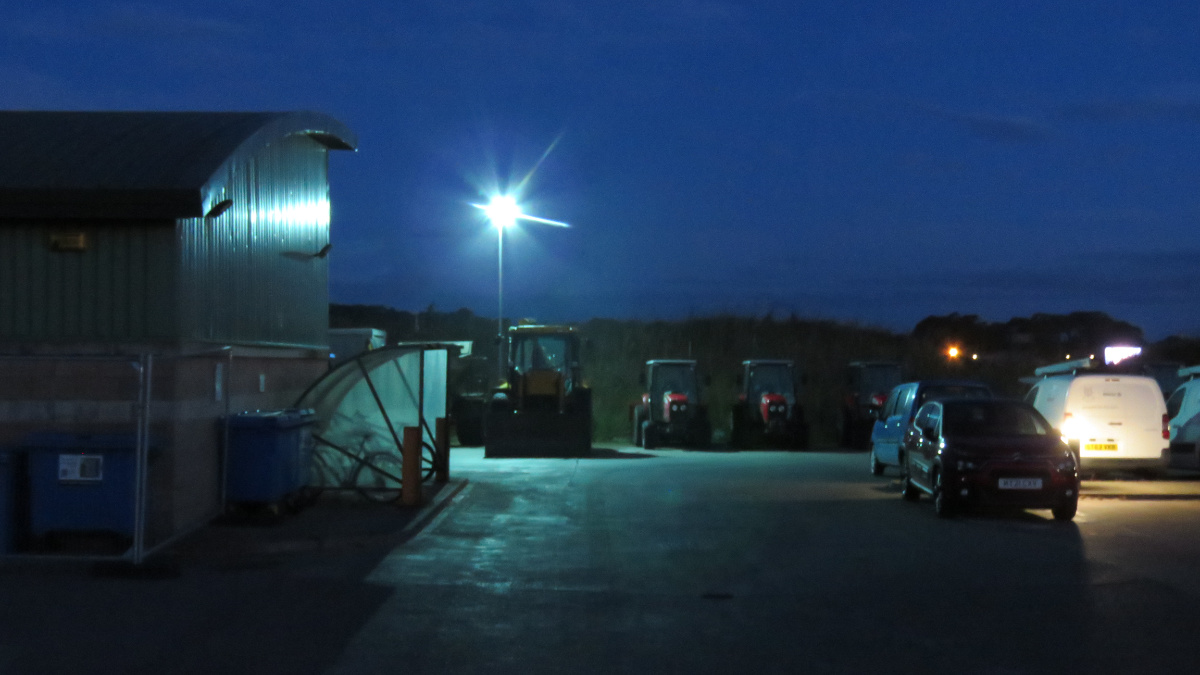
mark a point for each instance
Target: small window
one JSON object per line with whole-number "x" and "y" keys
{"x": 889, "y": 408}
{"x": 1175, "y": 403}
{"x": 922, "y": 419}
{"x": 906, "y": 406}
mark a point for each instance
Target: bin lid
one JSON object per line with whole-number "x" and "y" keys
{"x": 59, "y": 441}
{"x": 273, "y": 419}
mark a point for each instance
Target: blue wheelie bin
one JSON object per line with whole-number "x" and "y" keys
{"x": 269, "y": 455}
{"x": 81, "y": 482}
{"x": 11, "y": 474}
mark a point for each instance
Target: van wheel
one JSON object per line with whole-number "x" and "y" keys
{"x": 876, "y": 465}
{"x": 943, "y": 503}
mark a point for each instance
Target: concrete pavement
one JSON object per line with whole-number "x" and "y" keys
{"x": 632, "y": 561}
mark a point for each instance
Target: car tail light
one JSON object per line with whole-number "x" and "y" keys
{"x": 1166, "y": 427}
{"x": 877, "y": 400}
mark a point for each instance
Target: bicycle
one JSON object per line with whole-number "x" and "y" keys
{"x": 374, "y": 474}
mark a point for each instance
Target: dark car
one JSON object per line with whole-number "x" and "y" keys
{"x": 901, "y": 407}
{"x": 988, "y": 452}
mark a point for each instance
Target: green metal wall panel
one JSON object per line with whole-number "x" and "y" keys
{"x": 118, "y": 288}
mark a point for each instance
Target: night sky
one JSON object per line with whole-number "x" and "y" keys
{"x": 869, "y": 162}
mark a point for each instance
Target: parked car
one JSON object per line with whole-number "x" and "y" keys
{"x": 1112, "y": 420}
{"x": 1183, "y": 419}
{"x": 898, "y": 411}
{"x": 988, "y": 452}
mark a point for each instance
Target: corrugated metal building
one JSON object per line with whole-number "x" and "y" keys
{"x": 172, "y": 234}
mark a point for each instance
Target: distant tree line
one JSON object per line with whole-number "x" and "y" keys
{"x": 615, "y": 351}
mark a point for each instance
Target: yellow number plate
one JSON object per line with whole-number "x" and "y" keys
{"x": 1100, "y": 446}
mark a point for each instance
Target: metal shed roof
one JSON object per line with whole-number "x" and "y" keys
{"x": 134, "y": 164}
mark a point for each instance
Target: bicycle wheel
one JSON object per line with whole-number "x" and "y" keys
{"x": 377, "y": 476}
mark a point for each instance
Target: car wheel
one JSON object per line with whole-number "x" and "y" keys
{"x": 876, "y": 465}
{"x": 943, "y": 503}
{"x": 907, "y": 489}
{"x": 1066, "y": 509}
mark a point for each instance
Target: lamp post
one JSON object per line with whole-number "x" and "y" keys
{"x": 503, "y": 212}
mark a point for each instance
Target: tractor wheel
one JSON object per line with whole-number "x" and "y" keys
{"x": 736, "y": 432}
{"x": 649, "y": 436}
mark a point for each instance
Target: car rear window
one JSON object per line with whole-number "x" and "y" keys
{"x": 938, "y": 392}
{"x": 963, "y": 418}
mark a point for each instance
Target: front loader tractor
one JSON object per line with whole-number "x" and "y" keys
{"x": 672, "y": 411}
{"x": 768, "y": 411}
{"x": 542, "y": 409}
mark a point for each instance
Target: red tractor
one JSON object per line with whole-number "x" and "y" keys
{"x": 672, "y": 411}
{"x": 768, "y": 411}
{"x": 868, "y": 384}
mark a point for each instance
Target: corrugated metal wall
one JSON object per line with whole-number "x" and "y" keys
{"x": 250, "y": 275}
{"x": 120, "y": 288}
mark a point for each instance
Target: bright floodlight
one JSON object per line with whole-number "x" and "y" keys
{"x": 1117, "y": 354}
{"x": 503, "y": 211}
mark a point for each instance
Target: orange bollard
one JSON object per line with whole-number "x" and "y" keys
{"x": 410, "y": 468}
{"x": 441, "y": 440}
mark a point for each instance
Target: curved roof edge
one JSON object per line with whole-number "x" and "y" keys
{"x": 135, "y": 164}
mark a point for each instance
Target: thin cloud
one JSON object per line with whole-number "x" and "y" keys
{"x": 1133, "y": 110}
{"x": 141, "y": 20}
{"x": 1000, "y": 128}
{"x": 1015, "y": 129}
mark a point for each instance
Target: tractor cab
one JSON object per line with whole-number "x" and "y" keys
{"x": 672, "y": 409}
{"x": 542, "y": 409}
{"x": 543, "y": 365}
{"x": 768, "y": 409}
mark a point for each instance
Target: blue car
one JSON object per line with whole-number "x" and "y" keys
{"x": 898, "y": 411}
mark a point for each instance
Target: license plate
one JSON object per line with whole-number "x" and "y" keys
{"x": 1020, "y": 483}
{"x": 1100, "y": 446}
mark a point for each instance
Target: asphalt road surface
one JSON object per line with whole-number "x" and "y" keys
{"x": 645, "y": 562}
{"x": 674, "y": 561}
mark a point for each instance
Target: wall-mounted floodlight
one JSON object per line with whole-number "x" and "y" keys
{"x": 1117, "y": 354}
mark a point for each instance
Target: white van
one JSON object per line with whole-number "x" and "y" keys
{"x": 1183, "y": 413}
{"x": 1112, "y": 420}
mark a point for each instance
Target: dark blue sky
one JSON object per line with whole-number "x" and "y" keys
{"x": 872, "y": 162}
